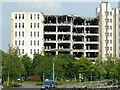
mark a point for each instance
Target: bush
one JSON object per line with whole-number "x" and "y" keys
{"x": 38, "y": 83}
{"x": 58, "y": 83}
{"x": 16, "y": 84}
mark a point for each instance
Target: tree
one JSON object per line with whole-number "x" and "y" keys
{"x": 42, "y": 65}
{"x": 27, "y": 62}
{"x": 12, "y": 65}
{"x": 84, "y": 66}
{"x": 109, "y": 66}
{"x": 118, "y": 69}
{"x": 99, "y": 70}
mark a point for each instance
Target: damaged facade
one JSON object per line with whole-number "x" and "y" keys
{"x": 69, "y": 34}
{"x": 34, "y": 32}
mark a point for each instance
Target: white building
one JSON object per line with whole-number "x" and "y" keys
{"x": 27, "y": 32}
{"x": 108, "y": 19}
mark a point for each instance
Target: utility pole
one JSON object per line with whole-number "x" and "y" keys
{"x": 53, "y": 72}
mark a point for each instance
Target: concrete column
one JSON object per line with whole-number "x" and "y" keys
{"x": 84, "y": 42}
{"x": 71, "y": 37}
{"x": 56, "y": 40}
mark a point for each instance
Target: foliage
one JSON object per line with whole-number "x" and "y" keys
{"x": 84, "y": 66}
{"x": 27, "y": 62}
{"x": 66, "y": 67}
{"x": 12, "y": 65}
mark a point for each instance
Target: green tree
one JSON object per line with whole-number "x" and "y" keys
{"x": 12, "y": 65}
{"x": 27, "y": 62}
{"x": 118, "y": 69}
{"x": 99, "y": 70}
{"x": 84, "y": 66}
{"x": 109, "y": 66}
{"x": 42, "y": 65}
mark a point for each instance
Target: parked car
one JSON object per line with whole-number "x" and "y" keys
{"x": 49, "y": 84}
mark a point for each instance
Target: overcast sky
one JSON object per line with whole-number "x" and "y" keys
{"x": 78, "y": 7}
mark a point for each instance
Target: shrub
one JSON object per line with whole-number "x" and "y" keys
{"x": 38, "y": 83}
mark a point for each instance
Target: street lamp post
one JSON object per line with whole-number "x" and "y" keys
{"x": 53, "y": 72}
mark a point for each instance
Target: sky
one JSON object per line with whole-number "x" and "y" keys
{"x": 53, "y": 7}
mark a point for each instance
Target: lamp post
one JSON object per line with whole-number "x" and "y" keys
{"x": 53, "y": 72}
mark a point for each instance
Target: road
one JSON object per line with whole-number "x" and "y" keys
{"x": 37, "y": 87}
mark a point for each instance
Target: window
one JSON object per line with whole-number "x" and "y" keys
{"x": 111, "y": 34}
{"x": 19, "y": 25}
{"x": 22, "y": 51}
{"x": 110, "y": 13}
{"x": 119, "y": 18}
{"x": 19, "y": 33}
{"x": 38, "y": 25}
{"x": 23, "y": 42}
{"x": 107, "y": 20}
{"x": 110, "y": 41}
{"x": 30, "y": 51}
{"x": 119, "y": 26}
{"x": 107, "y": 13}
{"x": 31, "y": 34}
{"x": 111, "y": 20}
{"x": 23, "y": 33}
{"x": 15, "y": 25}
{"x": 107, "y": 27}
{"x": 108, "y": 34}
{"x": 15, "y": 33}
{"x": 119, "y": 11}
{"x": 111, "y": 48}
{"x": 34, "y": 25}
{"x": 119, "y": 33}
{"x": 34, "y": 42}
{"x": 119, "y": 40}
{"x": 22, "y": 16}
{"x": 19, "y": 42}
{"x": 16, "y": 42}
{"x": 38, "y": 16}
{"x": 15, "y": 16}
{"x": 110, "y": 27}
{"x": 34, "y": 34}
{"x": 22, "y": 25}
{"x": 38, "y": 50}
{"x": 38, "y": 42}
{"x": 38, "y": 34}
{"x": 31, "y": 16}
{"x": 31, "y": 42}
{"x": 19, "y": 16}
{"x": 31, "y": 25}
{"x": 34, "y": 16}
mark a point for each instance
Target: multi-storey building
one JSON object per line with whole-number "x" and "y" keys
{"x": 27, "y": 32}
{"x": 108, "y": 19}
{"x": 69, "y": 34}
{"x": 34, "y": 32}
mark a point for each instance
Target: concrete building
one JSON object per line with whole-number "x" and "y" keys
{"x": 27, "y": 32}
{"x": 34, "y": 32}
{"x": 109, "y": 34}
{"x": 69, "y": 34}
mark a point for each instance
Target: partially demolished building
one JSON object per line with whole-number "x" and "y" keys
{"x": 69, "y": 34}
{"x": 34, "y": 32}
